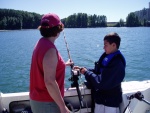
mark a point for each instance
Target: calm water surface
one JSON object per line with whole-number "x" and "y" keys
{"x": 85, "y": 45}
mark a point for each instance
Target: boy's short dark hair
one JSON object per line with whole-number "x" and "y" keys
{"x": 49, "y": 32}
{"x": 113, "y": 38}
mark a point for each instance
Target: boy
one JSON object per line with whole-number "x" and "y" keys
{"x": 105, "y": 79}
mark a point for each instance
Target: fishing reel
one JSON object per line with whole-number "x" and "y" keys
{"x": 75, "y": 72}
{"x": 74, "y": 77}
{"x": 137, "y": 95}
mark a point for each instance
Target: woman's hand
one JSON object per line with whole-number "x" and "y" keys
{"x": 69, "y": 62}
{"x": 65, "y": 110}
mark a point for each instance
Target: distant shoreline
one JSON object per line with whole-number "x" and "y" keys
{"x": 3, "y": 30}
{"x": 16, "y": 30}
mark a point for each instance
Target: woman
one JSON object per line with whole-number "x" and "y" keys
{"x": 48, "y": 69}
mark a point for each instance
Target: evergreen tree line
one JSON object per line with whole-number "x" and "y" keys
{"x": 16, "y": 19}
{"x": 82, "y": 20}
{"x": 133, "y": 21}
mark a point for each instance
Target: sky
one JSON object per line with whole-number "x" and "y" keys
{"x": 114, "y": 10}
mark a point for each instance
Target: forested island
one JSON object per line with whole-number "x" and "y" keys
{"x": 11, "y": 19}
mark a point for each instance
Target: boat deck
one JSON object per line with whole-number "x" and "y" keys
{"x": 129, "y": 88}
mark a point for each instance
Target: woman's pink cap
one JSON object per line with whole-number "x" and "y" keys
{"x": 52, "y": 20}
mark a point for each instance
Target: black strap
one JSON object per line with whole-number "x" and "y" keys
{"x": 127, "y": 106}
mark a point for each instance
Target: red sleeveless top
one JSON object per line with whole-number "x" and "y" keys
{"x": 38, "y": 90}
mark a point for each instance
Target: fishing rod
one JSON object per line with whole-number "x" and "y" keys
{"x": 75, "y": 75}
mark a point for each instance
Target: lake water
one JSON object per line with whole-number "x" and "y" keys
{"x": 85, "y": 45}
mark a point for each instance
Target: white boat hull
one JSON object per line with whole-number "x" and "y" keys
{"x": 71, "y": 97}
